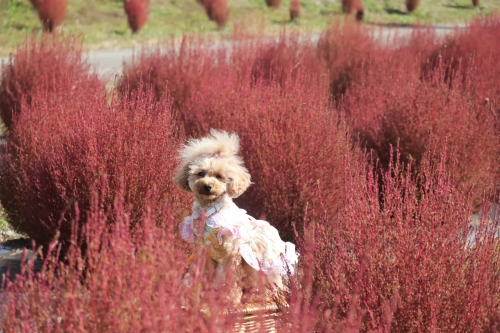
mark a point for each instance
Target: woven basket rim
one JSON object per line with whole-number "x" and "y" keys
{"x": 254, "y": 308}
{"x": 250, "y": 309}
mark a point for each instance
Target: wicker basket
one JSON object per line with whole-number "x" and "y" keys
{"x": 257, "y": 318}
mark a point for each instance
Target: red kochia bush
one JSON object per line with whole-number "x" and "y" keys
{"x": 353, "y": 7}
{"x": 294, "y": 9}
{"x": 393, "y": 106}
{"x": 217, "y": 11}
{"x": 184, "y": 70}
{"x": 344, "y": 51}
{"x": 60, "y": 146}
{"x": 273, "y": 3}
{"x": 411, "y": 5}
{"x": 51, "y": 12}
{"x": 48, "y": 61}
{"x": 472, "y": 52}
{"x": 280, "y": 59}
{"x": 137, "y": 13}
{"x": 475, "y": 3}
{"x": 403, "y": 258}
{"x": 176, "y": 70}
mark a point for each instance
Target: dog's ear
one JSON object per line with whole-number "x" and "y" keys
{"x": 181, "y": 177}
{"x": 239, "y": 180}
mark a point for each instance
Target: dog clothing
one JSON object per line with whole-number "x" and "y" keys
{"x": 259, "y": 243}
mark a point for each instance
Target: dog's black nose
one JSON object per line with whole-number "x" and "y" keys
{"x": 207, "y": 187}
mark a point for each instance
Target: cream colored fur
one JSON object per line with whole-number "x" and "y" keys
{"x": 218, "y": 142}
{"x": 216, "y": 157}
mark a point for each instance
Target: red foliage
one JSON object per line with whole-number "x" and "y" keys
{"x": 403, "y": 258}
{"x": 344, "y": 51}
{"x": 137, "y": 13}
{"x": 411, "y": 5}
{"x": 46, "y": 62}
{"x": 354, "y": 7}
{"x": 218, "y": 11}
{"x": 379, "y": 252}
{"x": 179, "y": 71}
{"x": 273, "y": 3}
{"x": 294, "y": 9}
{"x": 60, "y": 146}
{"x": 406, "y": 265}
{"x": 124, "y": 281}
{"x": 472, "y": 52}
{"x": 51, "y": 12}
{"x": 279, "y": 60}
{"x": 184, "y": 71}
{"x": 393, "y": 106}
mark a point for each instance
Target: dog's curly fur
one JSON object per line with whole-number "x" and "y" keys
{"x": 211, "y": 169}
{"x": 234, "y": 177}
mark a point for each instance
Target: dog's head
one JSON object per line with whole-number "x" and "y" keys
{"x": 211, "y": 168}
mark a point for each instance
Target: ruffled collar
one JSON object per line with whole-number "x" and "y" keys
{"x": 233, "y": 215}
{"x": 210, "y": 211}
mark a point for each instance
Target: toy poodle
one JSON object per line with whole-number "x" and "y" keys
{"x": 237, "y": 243}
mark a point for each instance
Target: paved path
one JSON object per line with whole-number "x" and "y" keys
{"x": 109, "y": 62}
{"x": 11, "y": 254}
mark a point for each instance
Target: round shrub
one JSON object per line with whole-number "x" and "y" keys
{"x": 472, "y": 51}
{"x": 173, "y": 70}
{"x": 411, "y": 5}
{"x": 393, "y": 106}
{"x": 400, "y": 257}
{"x": 353, "y": 7}
{"x": 278, "y": 60}
{"x": 50, "y": 61}
{"x": 273, "y": 3}
{"x": 60, "y": 147}
{"x": 137, "y": 13}
{"x": 294, "y": 9}
{"x": 217, "y": 11}
{"x": 51, "y": 12}
{"x": 344, "y": 50}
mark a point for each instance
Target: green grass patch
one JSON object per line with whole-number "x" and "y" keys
{"x": 3, "y": 220}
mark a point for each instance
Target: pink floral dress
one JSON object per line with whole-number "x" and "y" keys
{"x": 259, "y": 243}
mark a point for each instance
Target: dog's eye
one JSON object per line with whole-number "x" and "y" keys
{"x": 201, "y": 174}
{"x": 218, "y": 176}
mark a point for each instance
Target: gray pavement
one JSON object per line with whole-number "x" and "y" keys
{"x": 109, "y": 62}
{"x": 11, "y": 255}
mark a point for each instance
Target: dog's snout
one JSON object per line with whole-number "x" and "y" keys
{"x": 207, "y": 187}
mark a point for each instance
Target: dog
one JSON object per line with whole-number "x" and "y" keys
{"x": 248, "y": 249}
